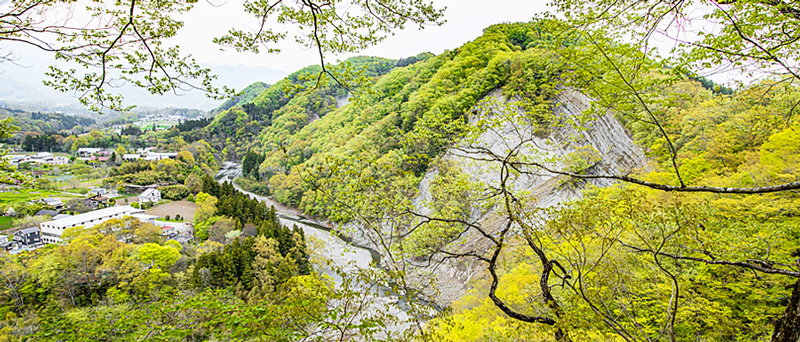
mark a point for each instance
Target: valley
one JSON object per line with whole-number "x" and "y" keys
{"x": 550, "y": 180}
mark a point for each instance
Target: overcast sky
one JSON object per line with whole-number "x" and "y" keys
{"x": 465, "y": 21}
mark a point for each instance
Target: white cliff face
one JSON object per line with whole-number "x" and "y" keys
{"x": 612, "y": 152}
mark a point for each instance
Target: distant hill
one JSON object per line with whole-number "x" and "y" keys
{"x": 41, "y": 122}
{"x": 248, "y": 95}
{"x": 21, "y": 87}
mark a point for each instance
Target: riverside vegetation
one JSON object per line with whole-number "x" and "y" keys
{"x": 699, "y": 244}
{"x": 634, "y": 263}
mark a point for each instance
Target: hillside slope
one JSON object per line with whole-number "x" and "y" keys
{"x": 464, "y": 171}
{"x": 616, "y": 153}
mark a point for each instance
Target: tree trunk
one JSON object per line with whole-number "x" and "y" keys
{"x": 787, "y": 329}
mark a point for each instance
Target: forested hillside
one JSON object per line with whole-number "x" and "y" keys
{"x": 248, "y": 94}
{"x": 676, "y": 247}
{"x": 278, "y": 108}
{"x": 410, "y": 117}
{"x": 569, "y": 185}
{"x": 45, "y": 122}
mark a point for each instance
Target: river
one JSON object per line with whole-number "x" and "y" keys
{"x": 322, "y": 242}
{"x": 328, "y": 251}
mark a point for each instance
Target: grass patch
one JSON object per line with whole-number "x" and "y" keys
{"x": 125, "y": 196}
{"x": 6, "y": 222}
{"x": 24, "y": 195}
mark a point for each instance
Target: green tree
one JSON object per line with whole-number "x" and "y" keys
{"x": 120, "y": 150}
{"x": 8, "y": 173}
{"x": 80, "y": 142}
{"x": 193, "y": 183}
{"x": 206, "y": 207}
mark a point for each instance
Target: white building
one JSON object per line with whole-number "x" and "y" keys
{"x": 52, "y": 230}
{"x": 38, "y": 158}
{"x": 87, "y": 151}
{"x": 151, "y": 219}
{"x": 16, "y": 159}
{"x": 98, "y": 191}
{"x": 131, "y": 156}
{"x": 42, "y": 155}
{"x": 150, "y": 195}
{"x": 60, "y": 160}
{"x": 159, "y": 156}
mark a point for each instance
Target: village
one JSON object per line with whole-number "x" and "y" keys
{"x": 86, "y": 154}
{"x": 59, "y": 218}
{"x": 82, "y": 200}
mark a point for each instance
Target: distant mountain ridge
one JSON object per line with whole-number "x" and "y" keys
{"x": 21, "y": 87}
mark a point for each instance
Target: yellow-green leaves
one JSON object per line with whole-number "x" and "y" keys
{"x": 154, "y": 255}
{"x": 780, "y": 156}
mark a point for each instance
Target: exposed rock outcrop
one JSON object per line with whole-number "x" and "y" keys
{"x": 612, "y": 152}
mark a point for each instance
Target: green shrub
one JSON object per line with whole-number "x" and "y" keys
{"x": 174, "y": 192}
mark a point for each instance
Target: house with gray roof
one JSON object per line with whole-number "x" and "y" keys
{"x": 28, "y": 238}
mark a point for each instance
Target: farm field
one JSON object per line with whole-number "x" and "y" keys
{"x": 13, "y": 198}
{"x": 184, "y": 208}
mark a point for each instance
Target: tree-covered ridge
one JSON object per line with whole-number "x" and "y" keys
{"x": 247, "y": 95}
{"x": 633, "y": 263}
{"x": 37, "y": 122}
{"x": 284, "y": 105}
{"x": 410, "y": 117}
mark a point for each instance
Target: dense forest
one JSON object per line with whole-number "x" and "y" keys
{"x": 280, "y": 107}
{"x": 412, "y": 115}
{"x": 342, "y": 162}
{"x": 248, "y": 94}
{"x": 568, "y": 181}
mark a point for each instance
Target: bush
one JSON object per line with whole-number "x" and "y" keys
{"x": 135, "y": 205}
{"x": 166, "y": 217}
{"x": 174, "y": 192}
{"x": 150, "y": 177}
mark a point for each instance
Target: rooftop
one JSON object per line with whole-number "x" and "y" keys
{"x": 149, "y": 192}
{"x": 98, "y": 198}
{"x": 29, "y": 230}
{"x": 92, "y": 215}
{"x": 144, "y": 217}
{"x": 51, "y": 200}
{"x": 46, "y": 212}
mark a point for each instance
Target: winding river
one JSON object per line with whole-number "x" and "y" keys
{"x": 329, "y": 250}
{"x": 322, "y": 242}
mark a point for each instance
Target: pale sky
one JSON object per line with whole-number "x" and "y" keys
{"x": 465, "y": 21}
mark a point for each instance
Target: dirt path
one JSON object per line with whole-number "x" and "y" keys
{"x": 184, "y": 208}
